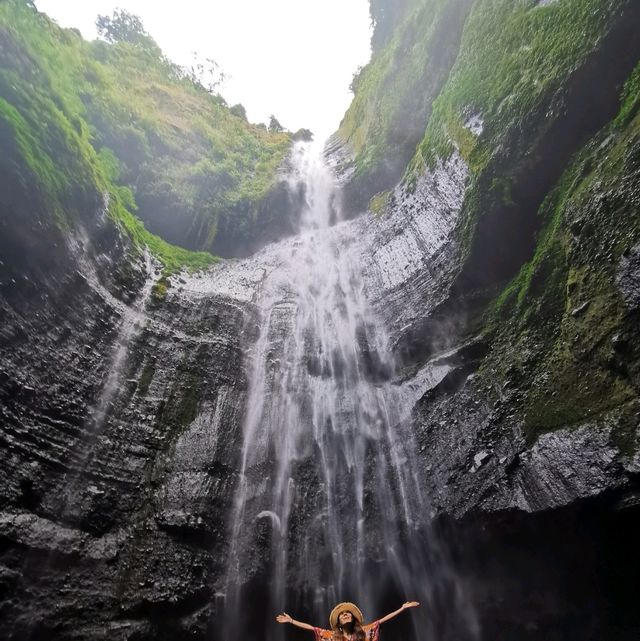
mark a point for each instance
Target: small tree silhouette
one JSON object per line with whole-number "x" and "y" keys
{"x": 274, "y": 125}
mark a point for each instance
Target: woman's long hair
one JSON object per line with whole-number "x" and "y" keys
{"x": 358, "y": 631}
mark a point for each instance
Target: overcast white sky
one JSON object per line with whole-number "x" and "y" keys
{"x": 292, "y": 58}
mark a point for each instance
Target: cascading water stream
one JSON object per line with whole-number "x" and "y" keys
{"x": 328, "y": 505}
{"x": 132, "y": 322}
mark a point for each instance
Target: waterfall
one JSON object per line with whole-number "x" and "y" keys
{"x": 328, "y": 505}
{"x": 71, "y": 498}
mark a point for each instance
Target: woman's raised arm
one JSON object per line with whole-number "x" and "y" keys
{"x": 395, "y": 613}
{"x": 286, "y": 618}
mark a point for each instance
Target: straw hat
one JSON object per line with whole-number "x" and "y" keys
{"x": 344, "y": 607}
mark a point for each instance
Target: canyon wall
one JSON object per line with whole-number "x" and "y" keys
{"x": 500, "y": 250}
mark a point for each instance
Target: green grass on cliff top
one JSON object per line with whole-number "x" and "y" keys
{"x": 66, "y": 105}
{"x": 513, "y": 57}
{"x": 388, "y": 83}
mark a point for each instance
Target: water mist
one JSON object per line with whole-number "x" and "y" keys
{"x": 328, "y": 505}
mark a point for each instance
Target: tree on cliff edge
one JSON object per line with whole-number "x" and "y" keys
{"x": 123, "y": 26}
{"x": 274, "y": 125}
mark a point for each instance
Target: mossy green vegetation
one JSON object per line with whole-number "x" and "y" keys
{"x": 379, "y": 202}
{"x": 513, "y": 57}
{"x": 120, "y": 119}
{"x": 516, "y": 105}
{"x": 172, "y": 257}
{"x": 159, "y": 290}
{"x": 561, "y": 326}
{"x": 630, "y": 99}
{"x": 383, "y": 86}
{"x": 393, "y": 93}
{"x": 552, "y": 198}
{"x": 185, "y": 394}
{"x": 39, "y": 147}
{"x": 146, "y": 376}
{"x": 480, "y": 76}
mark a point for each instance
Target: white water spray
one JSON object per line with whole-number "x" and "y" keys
{"x": 328, "y": 490}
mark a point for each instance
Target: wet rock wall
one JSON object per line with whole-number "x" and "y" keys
{"x": 120, "y": 423}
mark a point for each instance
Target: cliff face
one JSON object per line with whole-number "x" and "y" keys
{"x": 551, "y": 349}
{"x": 505, "y": 267}
{"x": 108, "y": 518}
{"x": 515, "y": 250}
{"x": 522, "y": 315}
{"x": 164, "y": 143}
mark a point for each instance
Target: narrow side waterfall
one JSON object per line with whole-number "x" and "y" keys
{"x": 72, "y": 497}
{"x": 328, "y": 505}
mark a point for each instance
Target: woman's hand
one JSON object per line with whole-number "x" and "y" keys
{"x": 410, "y": 604}
{"x": 284, "y": 618}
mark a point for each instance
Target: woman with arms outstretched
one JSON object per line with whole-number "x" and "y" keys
{"x": 346, "y": 623}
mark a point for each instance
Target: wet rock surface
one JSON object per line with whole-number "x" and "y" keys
{"x": 628, "y": 278}
{"x": 122, "y": 416}
{"x": 411, "y": 255}
{"x": 109, "y": 521}
{"x": 477, "y": 458}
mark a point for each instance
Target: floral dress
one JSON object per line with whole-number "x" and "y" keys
{"x": 371, "y": 632}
